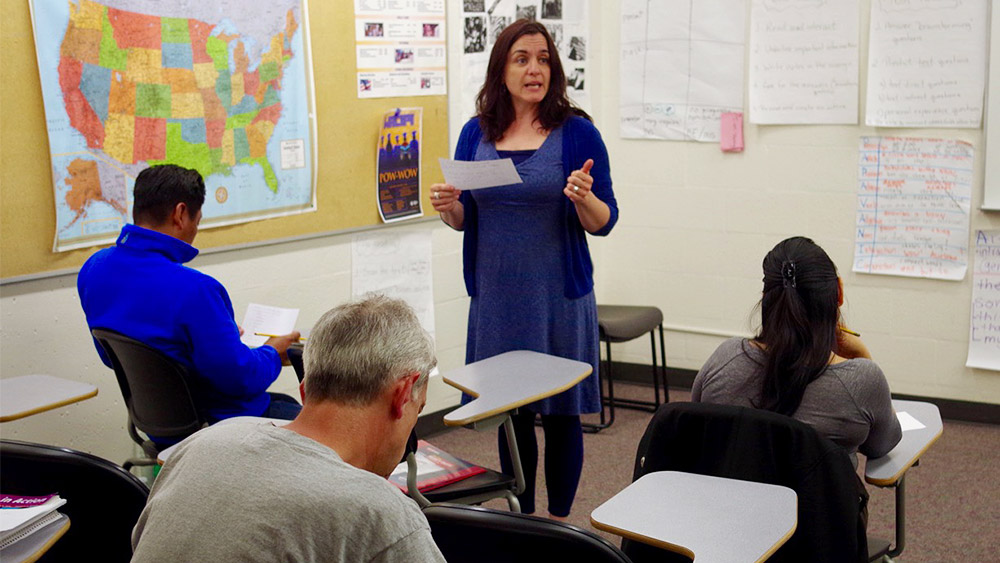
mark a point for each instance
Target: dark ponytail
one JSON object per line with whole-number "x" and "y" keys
{"x": 799, "y": 315}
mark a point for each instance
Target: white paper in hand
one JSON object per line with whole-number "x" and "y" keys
{"x": 267, "y": 320}
{"x": 478, "y": 174}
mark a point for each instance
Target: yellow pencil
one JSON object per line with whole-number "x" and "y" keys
{"x": 301, "y": 338}
{"x": 849, "y": 331}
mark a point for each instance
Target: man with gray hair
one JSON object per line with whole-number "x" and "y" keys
{"x": 314, "y": 490}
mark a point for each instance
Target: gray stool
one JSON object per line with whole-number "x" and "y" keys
{"x": 621, "y": 323}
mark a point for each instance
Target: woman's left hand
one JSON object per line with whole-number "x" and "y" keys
{"x": 579, "y": 183}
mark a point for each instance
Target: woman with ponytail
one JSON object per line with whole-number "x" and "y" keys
{"x": 803, "y": 363}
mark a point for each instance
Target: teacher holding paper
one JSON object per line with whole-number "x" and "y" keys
{"x": 527, "y": 266}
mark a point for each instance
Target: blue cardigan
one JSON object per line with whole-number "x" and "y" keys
{"x": 140, "y": 288}
{"x": 581, "y": 140}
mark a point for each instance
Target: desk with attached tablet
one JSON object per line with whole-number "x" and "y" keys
{"x": 31, "y": 394}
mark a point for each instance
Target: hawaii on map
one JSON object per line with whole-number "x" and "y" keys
{"x": 209, "y": 85}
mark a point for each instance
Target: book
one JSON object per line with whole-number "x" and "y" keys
{"x": 29, "y": 525}
{"x": 435, "y": 468}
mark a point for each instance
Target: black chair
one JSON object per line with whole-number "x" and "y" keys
{"x": 103, "y": 501}
{"x": 155, "y": 389}
{"x": 621, "y": 323}
{"x": 481, "y": 535}
{"x": 756, "y": 445}
{"x": 471, "y": 490}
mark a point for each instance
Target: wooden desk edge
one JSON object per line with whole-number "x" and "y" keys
{"x": 508, "y": 407}
{"x": 888, "y": 482}
{"x": 49, "y": 543}
{"x": 43, "y": 408}
{"x": 781, "y": 541}
{"x": 642, "y": 539}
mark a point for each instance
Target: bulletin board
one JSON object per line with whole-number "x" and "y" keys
{"x": 346, "y": 134}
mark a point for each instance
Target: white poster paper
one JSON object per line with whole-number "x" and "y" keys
{"x": 804, "y": 62}
{"x": 926, "y": 63}
{"x": 396, "y": 264}
{"x": 984, "y": 324}
{"x": 681, "y": 67}
{"x": 400, "y": 48}
{"x": 913, "y": 207}
{"x": 483, "y": 20}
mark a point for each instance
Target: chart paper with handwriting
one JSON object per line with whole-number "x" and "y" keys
{"x": 914, "y": 197}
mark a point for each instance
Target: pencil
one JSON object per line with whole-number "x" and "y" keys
{"x": 849, "y": 331}
{"x": 301, "y": 338}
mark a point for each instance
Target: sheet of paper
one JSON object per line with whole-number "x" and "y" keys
{"x": 478, "y": 174}
{"x": 681, "y": 67}
{"x": 11, "y": 518}
{"x": 396, "y": 264}
{"x": 913, "y": 207}
{"x": 984, "y": 321}
{"x": 804, "y": 61}
{"x": 267, "y": 320}
{"x": 926, "y": 63}
{"x": 908, "y": 422}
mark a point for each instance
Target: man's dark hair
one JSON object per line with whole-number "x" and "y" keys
{"x": 158, "y": 190}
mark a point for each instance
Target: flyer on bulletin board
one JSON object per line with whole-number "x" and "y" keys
{"x": 398, "y": 167}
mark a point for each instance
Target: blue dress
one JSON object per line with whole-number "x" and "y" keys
{"x": 520, "y": 303}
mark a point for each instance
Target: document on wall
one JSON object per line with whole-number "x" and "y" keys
{"x": 681, "y": 68}
{"x": 477, "y": 174}
{"x": 401, "y": 49}
{"x": 567, "y": 21}
{"x": 804, "y": 62}
{"x": 984, "y": 324}
{"x": 398, "y": 265}
{"x": 926, "y": 63}
{"x": 265, "y": 319}
{"x": 914, "y": 198}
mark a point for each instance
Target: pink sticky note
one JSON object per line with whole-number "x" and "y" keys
{"x": 731, "y": 139}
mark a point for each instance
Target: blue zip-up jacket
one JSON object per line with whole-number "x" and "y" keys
{"x": 581, "y": 140}
{"x": 140, "y": 288}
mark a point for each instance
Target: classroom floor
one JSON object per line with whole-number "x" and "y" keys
{"x": 953, "y": 512}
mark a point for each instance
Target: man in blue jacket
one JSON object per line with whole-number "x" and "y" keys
{"x": 141, "y": 288}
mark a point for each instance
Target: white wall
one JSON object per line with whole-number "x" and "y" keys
{"x": 696, "y": 223}
{"x": 43, "y": 329}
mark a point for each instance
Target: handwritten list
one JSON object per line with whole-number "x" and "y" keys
{"x": 914, "y": 197}
{"x": 681, "y": 68}
{"x": 804, "y": 61}
{"x": 397, "y": 265}
{"x": 926, "y": 63}
{"x": 984, "y": 323}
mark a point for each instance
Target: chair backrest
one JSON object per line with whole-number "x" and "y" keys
{"x": 295, "y": 358}
{"x": 103, "y": 501}
{"x": 762, "y": 446}
{"x": 154, "y": 386}
{"x": 482, "y": 535}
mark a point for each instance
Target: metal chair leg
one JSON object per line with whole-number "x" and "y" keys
{"x": 604, "y": 372}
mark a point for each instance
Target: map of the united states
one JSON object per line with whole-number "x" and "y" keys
{"x": 146, "y": 89}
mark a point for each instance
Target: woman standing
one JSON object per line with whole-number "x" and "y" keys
{"x": 527, "y": 266}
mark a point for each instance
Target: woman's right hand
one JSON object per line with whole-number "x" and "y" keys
{"x": 850, "y": 346}
{"x": 444, "y": 197}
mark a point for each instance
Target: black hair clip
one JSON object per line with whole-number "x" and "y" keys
{"x": 788, "y": 273}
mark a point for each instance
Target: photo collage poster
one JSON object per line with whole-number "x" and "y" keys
{"x": 401, "y": 49}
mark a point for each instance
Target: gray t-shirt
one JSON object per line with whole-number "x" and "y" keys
{"x": 849, "y": 402}
{"x": 246, "y": 492}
